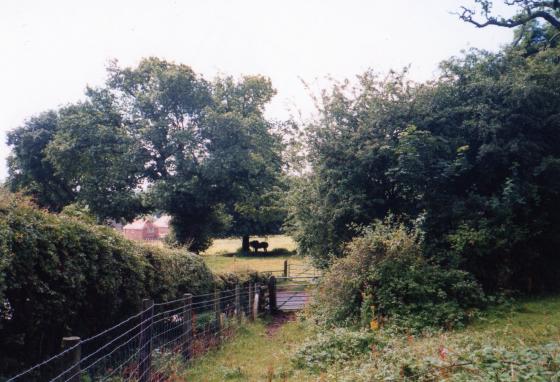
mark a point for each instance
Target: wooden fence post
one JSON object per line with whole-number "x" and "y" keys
{"x": 272, "y": 294}
{"x": 285, "y": 268}
{"x": 238, "y": 303}
{"x": 187, "y": 326}
{"x": 217, "y": 311}
{"x": 72, "y": 359}
{"x": 256, "y": 301}
{"x": 251, "y": 298}
{"x": 147, "y": 317}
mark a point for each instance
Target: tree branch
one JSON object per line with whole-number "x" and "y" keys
{"x": 467, "y": 16}
{"x": 530, "y": 10}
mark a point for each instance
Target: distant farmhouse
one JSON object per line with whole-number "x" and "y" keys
{"x": 147, "y": 228}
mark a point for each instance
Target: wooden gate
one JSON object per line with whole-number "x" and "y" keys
{"x": 292, "y": 291}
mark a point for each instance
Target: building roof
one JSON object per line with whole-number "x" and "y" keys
{"x": 161, "y": 222}
{"x": 136, "y": 224}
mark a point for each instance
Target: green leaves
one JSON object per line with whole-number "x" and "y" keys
{"x": 160, "y": 137}
{"x": 61, "y": 275}
{"x": 465, "y": 152}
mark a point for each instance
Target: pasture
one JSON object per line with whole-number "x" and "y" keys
{"x": 225, "y": 255}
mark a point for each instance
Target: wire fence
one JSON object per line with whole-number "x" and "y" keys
{"x": 144, "y": 346}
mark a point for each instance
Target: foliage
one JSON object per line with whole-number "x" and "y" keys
{"x": 97, "y": 156}
{"x": 384, "y": 276}
{"x": 60, "y": 275}
{"x": 472, "y": 157}
{"x": 160, "y": 137}
{"x": 509, "y": 342}
{"x": 28, "y": 168}
{"x": 331, "y": 347}
{"x": 460, "y": 359}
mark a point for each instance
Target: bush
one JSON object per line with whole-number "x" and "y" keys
{"x": 328, "y": 348}
{"x": 461, "y": 359}
{"x": 60, "y": 275}
{"x": 385, "y": 277}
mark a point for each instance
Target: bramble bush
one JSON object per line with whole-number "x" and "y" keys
{"x": 386, "y": 277}
{"x": 348, "y": 355}
{"x": 61, "y": 275}
{"x": 332, "y": 347}
{"x": 462, "y": 359}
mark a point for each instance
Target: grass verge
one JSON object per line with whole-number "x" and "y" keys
{"x": 255, "y": 354}
{"x": 494, "y": 347}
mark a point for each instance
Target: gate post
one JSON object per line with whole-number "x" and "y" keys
{"x": 272, "y": 294}
{"x": 144, "y": 369}
{"x": 262, "y": 297}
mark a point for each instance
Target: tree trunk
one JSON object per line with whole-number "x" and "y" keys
{"x": 245, "y": 244}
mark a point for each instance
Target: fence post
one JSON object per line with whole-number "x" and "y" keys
{"x": 217, "y": 311}
{"x": 238, "y": 303}
{"x": 272, "y": 293}
{"x": 285, "y": 268}
{"x": 144, "y": 369}
{"x": 187, "y": 326}
{"x": 251, "y": 298}
{"x": 256, "y": 301}
{"x": 72, "y": 360}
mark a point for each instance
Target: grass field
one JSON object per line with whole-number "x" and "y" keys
{"x": 224, "y": 255}
{"x": 232, "y": 245}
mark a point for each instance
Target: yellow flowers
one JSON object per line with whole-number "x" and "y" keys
{"x": 374, "y": 325}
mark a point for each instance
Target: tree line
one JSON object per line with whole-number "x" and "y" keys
{"x": 470, "y": 159}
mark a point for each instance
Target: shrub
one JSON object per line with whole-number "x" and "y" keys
{"x": 331, "y": 347}
{"x": 385, "y": 276}
{"x": 61, "y": 275}
{"x": 461, "y": 359}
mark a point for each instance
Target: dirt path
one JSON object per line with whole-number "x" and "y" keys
{"x": 279, "y": 320}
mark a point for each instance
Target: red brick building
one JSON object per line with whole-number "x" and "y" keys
{"x": 147, "y": 228}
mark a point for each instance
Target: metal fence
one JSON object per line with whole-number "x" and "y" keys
{"x": 143, "y": 347}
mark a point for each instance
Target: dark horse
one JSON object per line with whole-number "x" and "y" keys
{"x": 255, "y": 244}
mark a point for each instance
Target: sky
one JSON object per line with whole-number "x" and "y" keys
{"x": 51, "y": 50}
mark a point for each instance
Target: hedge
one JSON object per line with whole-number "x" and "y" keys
{"x": 60, "y": 275}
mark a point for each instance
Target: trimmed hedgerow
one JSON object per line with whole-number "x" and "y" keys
{"x": 60, "y": 275}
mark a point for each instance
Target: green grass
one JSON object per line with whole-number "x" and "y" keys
{"x": 233, "y": 245}
{"x": 254, "y": 355}
{"x": 527, "y": 321}
{"x": 224, "y": 255}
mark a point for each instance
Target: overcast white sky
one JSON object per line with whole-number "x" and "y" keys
{"x": 50, "y": 50}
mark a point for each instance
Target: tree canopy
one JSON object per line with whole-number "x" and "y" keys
{"x": 159, "y": 137}
{"x": 472, "y": 158}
